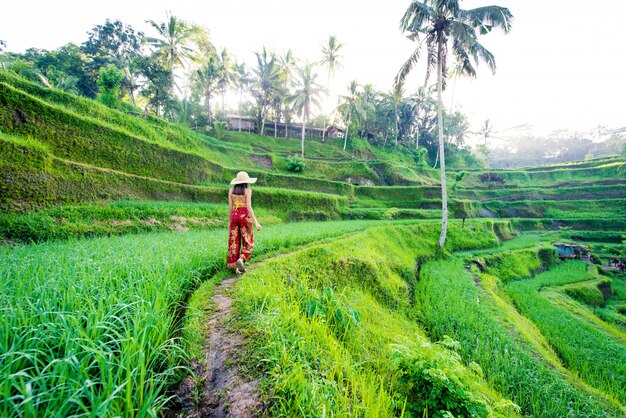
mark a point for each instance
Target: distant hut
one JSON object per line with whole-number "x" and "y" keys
{"x": 243, "y": 123}
{"x": 334, "y": 132}
{"x": 572, "y": 251}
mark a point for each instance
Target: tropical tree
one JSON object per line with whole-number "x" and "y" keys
{"x": 171, "y": 44}
{"x": 486, "y": 130}
{"x": 332, "y": 61}
{"x": 288, "y": 66}
{"x": 109, "y": 82}
{"x": 350, "y": 107}
{"x": 226, "y": 74}
{"x": 242, "y": 82}
{"x": 306, "y": 96}
{"x": 266, "y": 84}
{"x": 206, "y": 81}
{"x": 118, "y": 44}
{"x": 442, "y": 25}
{"x": 396, "y": 96}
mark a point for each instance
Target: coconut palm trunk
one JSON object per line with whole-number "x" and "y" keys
{"x": 345, "y": 137}
{"x": 442, "y": 162}
{"x": 208, "y": 108}
{"x": 240, "y": 94}
{"x": 303, "y": 132}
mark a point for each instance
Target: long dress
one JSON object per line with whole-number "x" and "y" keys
{"x": 240, "y": 232}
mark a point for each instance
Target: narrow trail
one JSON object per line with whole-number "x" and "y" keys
{"x": 217, "y": 390}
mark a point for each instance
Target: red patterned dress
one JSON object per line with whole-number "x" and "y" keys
{"x": 240, "y": 232}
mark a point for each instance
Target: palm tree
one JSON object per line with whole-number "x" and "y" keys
{"x": 171, "y": 45}
{"x": 266, "y": 83}
{"x": 443, "y": 25}
{"x": 242, "y": 81}
{"x": 330, "y": 59}
{"x": 306, "y": 95}
{"x": 486, "y": 130}
{"x": 288, "y": 67}
{"x": 206, "y": 80}
{"x": 225, "y": 72}
{"x": 352, "y": 104}
{"x": 396, "y": 97}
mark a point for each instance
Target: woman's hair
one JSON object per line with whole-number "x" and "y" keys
{"x": 240, "y": 188}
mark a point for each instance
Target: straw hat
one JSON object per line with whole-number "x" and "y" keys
{"x": 242, "y": 177}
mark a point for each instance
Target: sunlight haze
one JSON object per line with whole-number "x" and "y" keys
{"x": 559, "y": 68}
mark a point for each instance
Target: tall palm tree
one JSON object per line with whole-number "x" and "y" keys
{"x": 306, "y": 96}
{"x": 242, "y": 82}
{"x": 351, "y": 105}
{"x": 206, "y": 81}
{"x": 441, "y": 25}
{"x": 486, "y": 130}
{"x": 288, "y": 66}
{"x": 266, "y": 83}
{"x": 171, "y": 44}
{"x": 394, "y": 99}
{"x": 226, "y": 73}
{"x": 332, "y": 61}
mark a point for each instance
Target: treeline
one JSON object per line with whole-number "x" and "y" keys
{"x": 176, "y": 72}
{"x": 532, "y": 151}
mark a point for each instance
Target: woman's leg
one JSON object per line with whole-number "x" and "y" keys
{"x": 234, "y": 243}
{"x": 247, "y": 238}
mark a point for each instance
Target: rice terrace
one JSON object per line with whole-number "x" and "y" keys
{"x": 433, "y": 235}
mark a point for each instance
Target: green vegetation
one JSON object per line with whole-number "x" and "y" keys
{"x": 91, "y": 324}
{"x": 449, "y": 302}
{"x": 331, "y": 329}
{"x": 596, "y": 352}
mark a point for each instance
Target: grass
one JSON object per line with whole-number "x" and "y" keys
{"x": 331, "y": 330}
{"x": 89, "y": 326}
{"x": 449, "y": 302}
{"x": 597, "y": 355}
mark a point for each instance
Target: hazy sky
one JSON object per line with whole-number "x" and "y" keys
{"x": 561, "y": 67}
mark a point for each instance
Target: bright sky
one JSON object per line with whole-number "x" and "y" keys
{"x": 561, "y": 67}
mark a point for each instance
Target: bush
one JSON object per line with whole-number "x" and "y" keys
{"x": 491, "y": 178}
{"x": 295, "y": 164}
{"x": 435, "y": 387}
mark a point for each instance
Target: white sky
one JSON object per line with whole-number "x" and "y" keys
{"x": 561, "y": 67}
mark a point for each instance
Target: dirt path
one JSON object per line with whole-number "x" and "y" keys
{"x": 217, "y": 390}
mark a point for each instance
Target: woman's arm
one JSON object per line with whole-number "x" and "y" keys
{"x": 230, "y": 203}
{"x": 249, "y": 205}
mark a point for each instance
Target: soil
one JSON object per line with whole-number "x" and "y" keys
{"x": 262, "y": 160}
{"x": 217, "y": 389}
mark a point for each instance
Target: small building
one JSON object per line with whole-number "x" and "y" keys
{"x": 243, "y": 123}
{"x": 334, "y": 132}
{"x": 572, "y": 251}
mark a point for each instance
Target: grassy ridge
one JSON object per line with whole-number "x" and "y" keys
{"x": 562, "y": 176}
{"x": 31, "y": 178}
{"x": 87, "y": 325}
{"x": 450, "y": 303}
{"x": 572, "y": 209}
{"x": 562, "y": 193}
{"x": 331, "y": 330}
{"x": 82, "y": 139}
{"x": 596, "y": 354}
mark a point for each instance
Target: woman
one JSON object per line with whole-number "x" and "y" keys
{"x": 241, "y": 215}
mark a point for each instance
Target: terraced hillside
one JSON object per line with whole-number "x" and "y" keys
{"x": 347, "y": 309}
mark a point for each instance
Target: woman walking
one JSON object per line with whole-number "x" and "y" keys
{"x": 241, "y": 216}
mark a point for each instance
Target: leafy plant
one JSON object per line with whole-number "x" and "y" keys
{"x": 109, "y": 82}
{"x": 219, "y": 129}
{"x": 295, "y": 164}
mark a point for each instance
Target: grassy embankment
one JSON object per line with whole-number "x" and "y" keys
{"x": 90, "y": 326}
{"x": 516, "y": 357}
{"x": 332, "y": 330}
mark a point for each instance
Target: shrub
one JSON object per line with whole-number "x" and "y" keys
{"x": 295, "y": 164}
{"x": 491, "y": 178}
{"x": 435, "y": 387}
